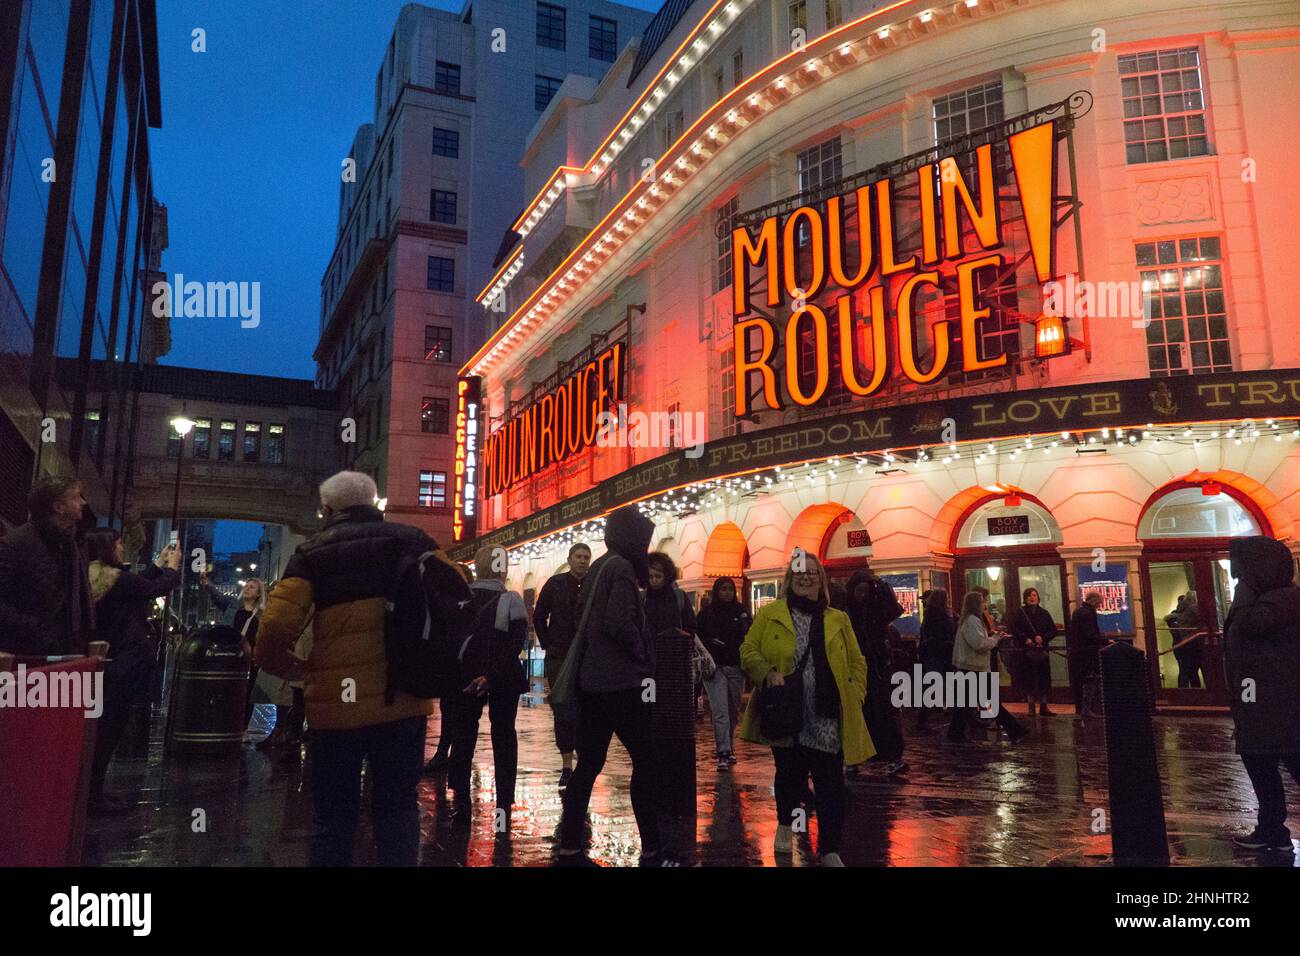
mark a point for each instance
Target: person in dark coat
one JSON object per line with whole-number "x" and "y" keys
{"x": 45, "y": 605}
{"x": 1184, "y": 623}
{"x": 872, "y": 607}
{"x": 612, "y": 672}
{"x": 723, "y": 623}
{"x": 1082, "y": 645}
{"x": 1262, "y": 661}
{"x": 123, "y": 602}
{"x": 491, "y": 673}
{"x": 938, "y": 630}
{"x": 1033, "y": 629}
{"x": 555, "y": 618}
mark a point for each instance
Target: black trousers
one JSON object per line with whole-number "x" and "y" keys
{"x": 793, "y": 766}
{"x": 964, "y": 718}
{"x": 600, "y": 717}
{"x": 1267, "y": 781}
{"x": 566, "y": 722}
{"x": 883, "y": 723}
{"x": 463, "y": 714}
{"x": 394, "y": 755}
{"x": 126, "y": 682}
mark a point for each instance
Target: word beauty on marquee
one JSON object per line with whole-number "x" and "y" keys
{"x": 464, "y": 516}
{"x": 563, "y": 422}
{"x": 944, "y": 198}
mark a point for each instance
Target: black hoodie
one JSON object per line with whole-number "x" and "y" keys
{"x": 723, "y": 626}
{"x": 618, "y": 654}
{"x": 1262, "y": 647}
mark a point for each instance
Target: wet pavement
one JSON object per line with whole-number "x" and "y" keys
{"x": 974, "y": 804}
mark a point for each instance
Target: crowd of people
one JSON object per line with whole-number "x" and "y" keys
{"x": 621, "y": 640}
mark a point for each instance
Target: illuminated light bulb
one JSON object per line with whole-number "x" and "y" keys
{"x": 883, "y": 33}
{"x": 927, "y": 16}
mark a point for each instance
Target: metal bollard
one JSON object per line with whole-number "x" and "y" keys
{"x": 1137, "y": 812}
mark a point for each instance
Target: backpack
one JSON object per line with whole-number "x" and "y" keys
{"x": 428, "y": 618}
{"x": 485, "y": 652}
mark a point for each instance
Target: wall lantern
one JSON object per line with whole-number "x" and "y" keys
{"x": 1049, "y": 336}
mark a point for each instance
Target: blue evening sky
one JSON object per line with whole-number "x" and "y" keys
{"x": 248, "y": 160}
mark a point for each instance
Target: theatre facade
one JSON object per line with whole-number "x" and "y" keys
{"x": 983, "y": 294}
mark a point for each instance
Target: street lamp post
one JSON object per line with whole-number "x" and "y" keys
{"x": 182, "y": 425}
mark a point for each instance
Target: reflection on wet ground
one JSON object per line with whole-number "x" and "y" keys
{"x": 974, "y": 804}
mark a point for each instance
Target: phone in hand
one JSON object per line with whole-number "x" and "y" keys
{"x": 174, "y": 539}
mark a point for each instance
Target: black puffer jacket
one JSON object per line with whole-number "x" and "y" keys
{"x": 124, "y": 600}
{"x": 45, "y": 605}
{"x": 723, "y": 626}
{"x": 871, "y": 619}
{"x": 618, "y": 655}
{"x": 1262, "y": 645}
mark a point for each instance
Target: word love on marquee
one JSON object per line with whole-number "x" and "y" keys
{"x": 563, "y": 422}
{"x": 780, "y": 243}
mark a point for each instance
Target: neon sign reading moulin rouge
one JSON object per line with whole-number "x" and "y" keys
{"x": 943, "y": 197}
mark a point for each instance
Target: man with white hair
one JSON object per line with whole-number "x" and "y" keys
{"x": 345, "y": 573}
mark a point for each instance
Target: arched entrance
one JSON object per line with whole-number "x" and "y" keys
{"x": 1185, "y": 528}
{"x": 1007, "y": 543}
{"x": 836, "y": 536}
{"x": 726, "y": 555}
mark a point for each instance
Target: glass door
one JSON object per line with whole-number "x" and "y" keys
{"x": 1188, "y": 601}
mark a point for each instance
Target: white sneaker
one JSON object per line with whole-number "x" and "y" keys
{"x": 832, "y": 859}
{"x": 784, "y": 840}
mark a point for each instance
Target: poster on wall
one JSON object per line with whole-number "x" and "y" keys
{"x": 1115, "y": 613}
{"x": 907, "y": 589}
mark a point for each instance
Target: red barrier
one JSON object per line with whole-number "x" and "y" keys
{"x": 45, "y": 755}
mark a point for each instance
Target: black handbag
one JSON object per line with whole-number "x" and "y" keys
{"x": 780, "y": 707}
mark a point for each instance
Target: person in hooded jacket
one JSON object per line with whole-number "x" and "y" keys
{"x": 123, "y": 601}
{"x": 872, "y": 607}
{"x": 1082, "y": 645}
{"x": 1033, "y": 629}
{"x": 1262, "y": 661}
{"x": 615, "y": 659}
{"x": 938, "y": 631}
{"x": 722, "y": 625}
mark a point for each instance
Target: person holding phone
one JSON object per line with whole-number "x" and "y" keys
{"x": 244, "y": 618}
{"x": 123, "y": 602}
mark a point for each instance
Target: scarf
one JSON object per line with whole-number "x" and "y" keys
{"x": 826, "y": 690}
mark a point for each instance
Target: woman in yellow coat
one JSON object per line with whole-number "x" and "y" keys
{"x": 803, "y": 628}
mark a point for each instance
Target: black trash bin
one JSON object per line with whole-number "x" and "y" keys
{"x": 209, "y": 694}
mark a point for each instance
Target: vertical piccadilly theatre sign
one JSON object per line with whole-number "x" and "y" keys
{"x": 907, "y": 262}
{"x": 464, "y": 510}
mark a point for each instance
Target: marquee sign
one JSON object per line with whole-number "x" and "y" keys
{"x": 804, "y": 252}
{"x": 562, "y": 423}
{"x": 464, "y": 505}
{"x": 1226, "y": 396}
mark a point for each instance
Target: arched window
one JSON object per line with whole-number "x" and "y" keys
{"x": 996, "y": 524}
{"x": 1190, "y": 513}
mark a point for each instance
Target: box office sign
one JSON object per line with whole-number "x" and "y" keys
{"x": 1227, "y": 396}
{"x": 1009, "y": 524}
{"x": 799, "y": 255}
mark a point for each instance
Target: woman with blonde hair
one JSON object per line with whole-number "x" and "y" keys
{"x": 802, "y": 655}
{"x": 971, "y": 654}
{"x": 244, "y": 617}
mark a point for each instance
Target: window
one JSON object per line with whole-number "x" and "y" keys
{"x": 729, "y": 392}
{"x": 675, "y": 425}
{"x": 738, "y": 67}
{"x": 719, "y": 84}
{"x": 797, "y": 13}
{"x": 674, "y": 123}
{"x": 446, "y": 79}
{"x": 252, "y": 441}
{"x": 442, "y": 274}
{"x": 434, "y": 414}
{"x": 819, "y": 165}
{"x": 602, "y": 39}
{"x": 834, "y": 13}
{"x": 437, "y": 343}
{"x": 544, "y": 88}
{"x": 91, "y": 440}
{"x": 442, "y": 206}
{"x": 969, "y": 110}
{"x": 1183, "y": 280}
{"x": 433, "y": 489}
{"x": 1164, "y": 108}
{"x": 446, "y": 142}
{"x": 724, "y": 215}
{"x": 203, "y": 438}
{"x": 173, "y": 441}
{"x": 275, "y": 444}
{"x": 226, "y": 441}
{"x": 550, "y": 26}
